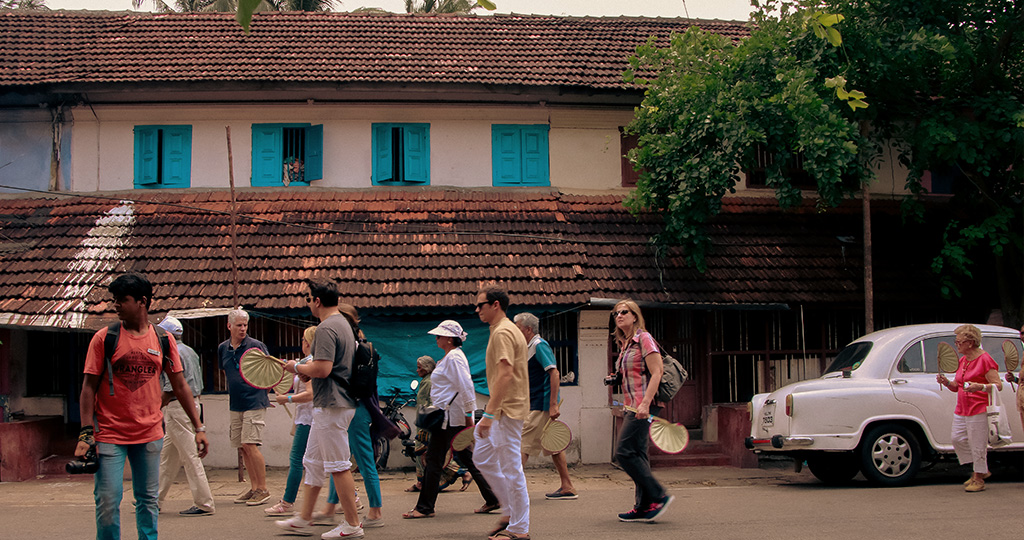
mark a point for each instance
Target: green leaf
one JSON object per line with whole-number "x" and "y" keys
{"x": 486, "y": 4}
{"x": 857, "y": 104}
{"x": 245, "y": 11}
{"x": 830, "y": 19}
{"x": 833, "y": 37}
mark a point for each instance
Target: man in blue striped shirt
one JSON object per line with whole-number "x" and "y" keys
{"x": 544, "y": 379}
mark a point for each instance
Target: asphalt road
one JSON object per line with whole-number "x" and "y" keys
{"x": 713, "y": 503}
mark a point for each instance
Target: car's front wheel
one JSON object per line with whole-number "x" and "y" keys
{"x": 890, "y": 455}
{"x": 833, "y": 468}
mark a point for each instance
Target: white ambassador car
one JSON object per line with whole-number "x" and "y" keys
{"x": 877, "y": 409}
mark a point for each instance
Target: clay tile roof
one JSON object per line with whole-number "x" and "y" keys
{"x": 424, "y": 250}
{"x": 106, "y": 47}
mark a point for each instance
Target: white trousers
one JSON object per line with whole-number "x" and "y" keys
{"x": 500, "y": 460}
{"x": 970, "y": 440}
{"x": 180, "y": 450}
{"x": 327, "y": 447}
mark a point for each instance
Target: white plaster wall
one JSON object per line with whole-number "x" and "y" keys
{"x": 583, "y": 153}
{"x": 595, "y": 418}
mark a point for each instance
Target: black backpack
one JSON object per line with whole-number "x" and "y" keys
{"x": 362, "y": 382}
{"x": 110, "y": 344}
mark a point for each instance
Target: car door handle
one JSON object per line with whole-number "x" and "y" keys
{"x": 900, "y": 381}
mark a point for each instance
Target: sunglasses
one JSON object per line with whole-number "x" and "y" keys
{"x": 621, "y": 312}
{"x": 482, "y": 304}
{"x": 307, "y": 297}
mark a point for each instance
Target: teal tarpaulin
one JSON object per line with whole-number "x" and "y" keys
{"x": 401, "y": 342}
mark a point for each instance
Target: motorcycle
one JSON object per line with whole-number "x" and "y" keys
{"x": 393, "y": 411}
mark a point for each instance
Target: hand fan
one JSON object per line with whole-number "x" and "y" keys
{"x": 463, "y": 439}
{"x": 669, "y": 437}
{"x": 948, "y": 360}
{"x": 285, "y": 384}
{"x": 555, "y": 437}
{"x": 260, "y": 370}
{"x": 1011, "y": 359}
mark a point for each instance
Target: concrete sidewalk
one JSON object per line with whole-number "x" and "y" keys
{"x": 62, "y": 507}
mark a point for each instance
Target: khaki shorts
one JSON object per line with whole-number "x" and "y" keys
{"x": 247, "y": 427}
{"x": 532, "y": 429}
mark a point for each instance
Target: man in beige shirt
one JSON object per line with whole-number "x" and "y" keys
{"x": 499, "y": 433}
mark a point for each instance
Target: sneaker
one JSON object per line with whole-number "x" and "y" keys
{"x": 295, "y": 525}
{"x": 259, "y": 497}
{"x": 633, "y": 515}
{"x": 372, "y": 523}
{"x": 657, "y": 509}
{"x": 320, "y": 518}
{"x": 280, "y": 509}
{"x": 344, "y": 531}
{"x": 558, "y": 494}
{"x": 196, "y": 511}
{"x": 241, "y": 499}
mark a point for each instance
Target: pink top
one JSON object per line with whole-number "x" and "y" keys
{"x": 972, "y": 403}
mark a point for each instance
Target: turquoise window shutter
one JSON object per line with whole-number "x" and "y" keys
{"x": 535, "y": 155}
{"x": 382, "y": 170}
{"x": 416, "y": 139}
{"x": 314, "y": 152}
{"x": 267, "y": 158}
{"x": 147, "y": 157}
{"x": 506, "y": 155}
{"x": 177, "y": 162}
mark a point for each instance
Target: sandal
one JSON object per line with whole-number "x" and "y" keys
{"x": 506, "y": 535}
{"x": 487, "y": 508}
{"x": 466, "y": 482}
{"x": 502, "y": 525}
{"x": 415, "y": 488}
{"x": 415, "y": 514}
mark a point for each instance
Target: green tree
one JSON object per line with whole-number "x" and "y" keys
{"x": 938, "y": 82}
{"x": 446, "y": 6}
{"x": 23, "y": 5}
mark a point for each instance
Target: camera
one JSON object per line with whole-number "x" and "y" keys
{"x": 613, "y": 380}
{"x": 87, "y": 464}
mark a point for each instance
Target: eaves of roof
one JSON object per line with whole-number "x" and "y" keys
{"x": 418, "y": 249}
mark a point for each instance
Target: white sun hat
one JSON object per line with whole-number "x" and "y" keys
{"x": 172, "y": 325}
{"x": 449, "y": 328}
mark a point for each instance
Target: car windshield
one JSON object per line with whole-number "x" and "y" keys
{"x": 850, "y": 357}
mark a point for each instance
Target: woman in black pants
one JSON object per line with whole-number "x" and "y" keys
{"x": 451, "y": 389}
{"x": 640, "y": 368}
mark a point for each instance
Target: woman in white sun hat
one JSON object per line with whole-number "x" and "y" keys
{"x": 451, "y": 389}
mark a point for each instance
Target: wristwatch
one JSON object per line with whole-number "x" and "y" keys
{"x": 201, "y": 429}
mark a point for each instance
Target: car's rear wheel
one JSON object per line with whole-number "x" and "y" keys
{"x": 890, "y": 455}
{"x": 833, "y": 468}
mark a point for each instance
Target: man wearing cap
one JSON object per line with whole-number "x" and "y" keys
{"x": 544, "y": 379}
{"x": 179, "y": 446}
{"x": 499, "y": 435}
{"x": 247, "y": 405}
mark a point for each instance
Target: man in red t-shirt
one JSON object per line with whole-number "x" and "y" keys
{"x": 123, "y": 400}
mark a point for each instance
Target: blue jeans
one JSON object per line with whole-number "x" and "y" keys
{"x": 144, "y": 459}
{"x": 361, "y": 447}
{"x": 291, "y": 488}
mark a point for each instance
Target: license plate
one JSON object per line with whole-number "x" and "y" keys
{"x": 768, "y": 415}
